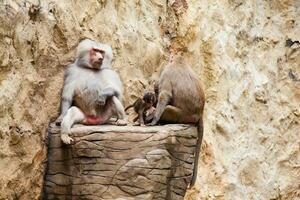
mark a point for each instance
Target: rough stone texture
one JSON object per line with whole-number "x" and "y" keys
{"x": 129, "y": 162}
{"x": 245, "y": 52}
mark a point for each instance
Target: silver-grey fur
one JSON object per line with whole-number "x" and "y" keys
{"x": 88, "y": 89}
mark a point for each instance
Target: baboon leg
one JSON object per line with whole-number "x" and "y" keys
{"x": 173, "y": 114}
{"x": 149, "y": 115}
{"x": 141, "y": 117}
{"x": 72, "y": 116}
{"x": 136, "y": 118}
{"x": 119, "y": 108}
{"x": 163, "y": 100}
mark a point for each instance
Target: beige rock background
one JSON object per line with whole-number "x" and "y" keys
{"x": 245, "y": 52}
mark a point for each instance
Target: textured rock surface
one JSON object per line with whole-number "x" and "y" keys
{"x": 110, "y": 162}
{"x": 246, "y": 53}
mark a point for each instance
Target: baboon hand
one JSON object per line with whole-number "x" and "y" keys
{"x": 121, "y": 122}
{"x": 153, "y": 123}
{"x": 101, "y": 100}
{"x": 136, "y": 123}
{"x": 66, "y": 139}
{"x": 58, "y": 120}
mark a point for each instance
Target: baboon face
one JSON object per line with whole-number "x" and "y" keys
{"x": 149, "y": 98}
{"x": 96, "y": 57}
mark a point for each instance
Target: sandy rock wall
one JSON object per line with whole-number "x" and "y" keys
{"x": 245, "y": 52}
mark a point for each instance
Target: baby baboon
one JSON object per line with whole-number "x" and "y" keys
{"x": 144, "y": 107}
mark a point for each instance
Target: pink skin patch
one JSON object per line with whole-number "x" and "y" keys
{"x": 93, "y": 120}
{"x": 101, "y": 119}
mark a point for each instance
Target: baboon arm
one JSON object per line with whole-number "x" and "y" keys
{"x": 67, "y": 96}
{"x": 141, "y": 117}
{"x": 105, "y": 93}
{"x": 163, "y": 100}
{"x": 119, "y": 108}
{"x": 65, "y": 105}
{"x": 109, "y": 91}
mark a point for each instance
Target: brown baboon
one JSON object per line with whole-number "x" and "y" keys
{"x": 181, "y": 99}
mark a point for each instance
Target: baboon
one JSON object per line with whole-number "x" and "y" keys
{"x": 181, "y": 99}
{"x": 144, "y": 107}
{"x": 92, "y": 91}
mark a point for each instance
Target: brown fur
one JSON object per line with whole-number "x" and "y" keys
{"x": 181, "y": 99}
{"x": 144, "y": 106}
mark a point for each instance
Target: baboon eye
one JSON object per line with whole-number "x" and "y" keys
{"x": 99, "y": 50}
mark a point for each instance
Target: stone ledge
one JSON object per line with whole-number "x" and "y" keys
{"x": 120, "y": 162}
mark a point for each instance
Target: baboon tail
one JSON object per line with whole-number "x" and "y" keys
{"x": 130, "y": 106}
{"x": 197, "y": 151}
